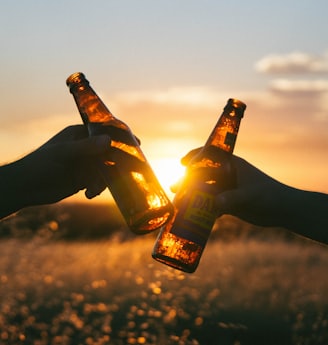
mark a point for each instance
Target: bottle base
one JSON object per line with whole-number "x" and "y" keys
{"x": 144, "y": 226}
{"x": 174, "y": 263}
{"x": 177, "y": 252}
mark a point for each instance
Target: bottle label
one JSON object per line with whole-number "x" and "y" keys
{"x": 200, "y": 209}
{"x": 195, "y": 217}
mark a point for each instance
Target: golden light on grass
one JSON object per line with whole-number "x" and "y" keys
{"x": 110, "y": 291}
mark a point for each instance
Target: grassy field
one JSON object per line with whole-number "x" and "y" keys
{"x": 67, "y": 277}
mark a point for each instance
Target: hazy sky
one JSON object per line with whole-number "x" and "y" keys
{"x": 167, "y": 69}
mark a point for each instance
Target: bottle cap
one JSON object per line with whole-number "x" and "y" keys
{"x": 75, "y": 79}
{"x": 236, "y": 105}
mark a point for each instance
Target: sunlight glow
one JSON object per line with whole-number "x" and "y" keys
{"x": 168, "y": 172}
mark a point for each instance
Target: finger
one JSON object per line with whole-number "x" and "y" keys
{"x": 69, "y": 133}
{"x": 74, "y": 132}
{"x": 94, "y": 190}
{"x": 188, "y": 157}
{"x": 176, "y": 185}
{"x": 91, "y": 146}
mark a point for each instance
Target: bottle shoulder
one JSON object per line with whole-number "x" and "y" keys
{"x": 114, "y": 122}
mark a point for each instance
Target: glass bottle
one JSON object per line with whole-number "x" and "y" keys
{"x": 129, "y": 177}
{"x": 181, "y": 242}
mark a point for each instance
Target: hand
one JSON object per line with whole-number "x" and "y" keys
{"x": 255, "y": 196}
{"x": 264, "y": 201}
{"x": 60, "y": 168}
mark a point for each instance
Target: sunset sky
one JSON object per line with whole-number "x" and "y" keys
{"x": 167, "y": 68}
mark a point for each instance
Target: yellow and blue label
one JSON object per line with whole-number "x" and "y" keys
{"x": 196, "y": 218}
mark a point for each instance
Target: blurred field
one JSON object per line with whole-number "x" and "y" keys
{"x": 74, "y": 275}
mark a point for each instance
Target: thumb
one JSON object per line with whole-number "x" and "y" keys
{"x": 96, "y": 188}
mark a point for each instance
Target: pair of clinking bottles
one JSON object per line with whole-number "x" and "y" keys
{"x": 187, "y": 222}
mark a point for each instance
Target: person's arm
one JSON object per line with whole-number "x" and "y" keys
{"x": 58, "y": 169}
{"x": 307, "y": 214}
{"x": 263, "y": 201}
{"x": 11, "y": 199}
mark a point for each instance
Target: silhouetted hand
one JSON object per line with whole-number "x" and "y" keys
{"x": 60, "y": 168}
{"x": 264, "y": 201}
{"x": 257, "y": 197}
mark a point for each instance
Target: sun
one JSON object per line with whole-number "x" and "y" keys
{"x": 168, "y": 171}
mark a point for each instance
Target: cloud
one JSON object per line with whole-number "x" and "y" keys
{"x": 179, "y": 126}
{"x": 292, "y": 66}
{"x": 184, "y": 111}
{"x": 191, "y": 96}
{"x": 293, "y": 63}
{"x": 305, "y": 87}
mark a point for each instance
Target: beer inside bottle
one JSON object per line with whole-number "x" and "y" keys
{"x": 181, "y": 242}
{"x": 129, "y": 177}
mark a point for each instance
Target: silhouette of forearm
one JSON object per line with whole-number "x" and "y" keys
{"x": 11, "y": 197}
{"x": 305, "y": 213}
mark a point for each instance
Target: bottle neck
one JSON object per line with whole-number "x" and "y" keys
{"x": 225, "y": 132}
{"x": 90, "y": 106}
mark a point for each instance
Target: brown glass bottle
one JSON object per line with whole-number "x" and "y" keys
{"x": 130, "y": 179}
{"x": 181, "y": 242}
